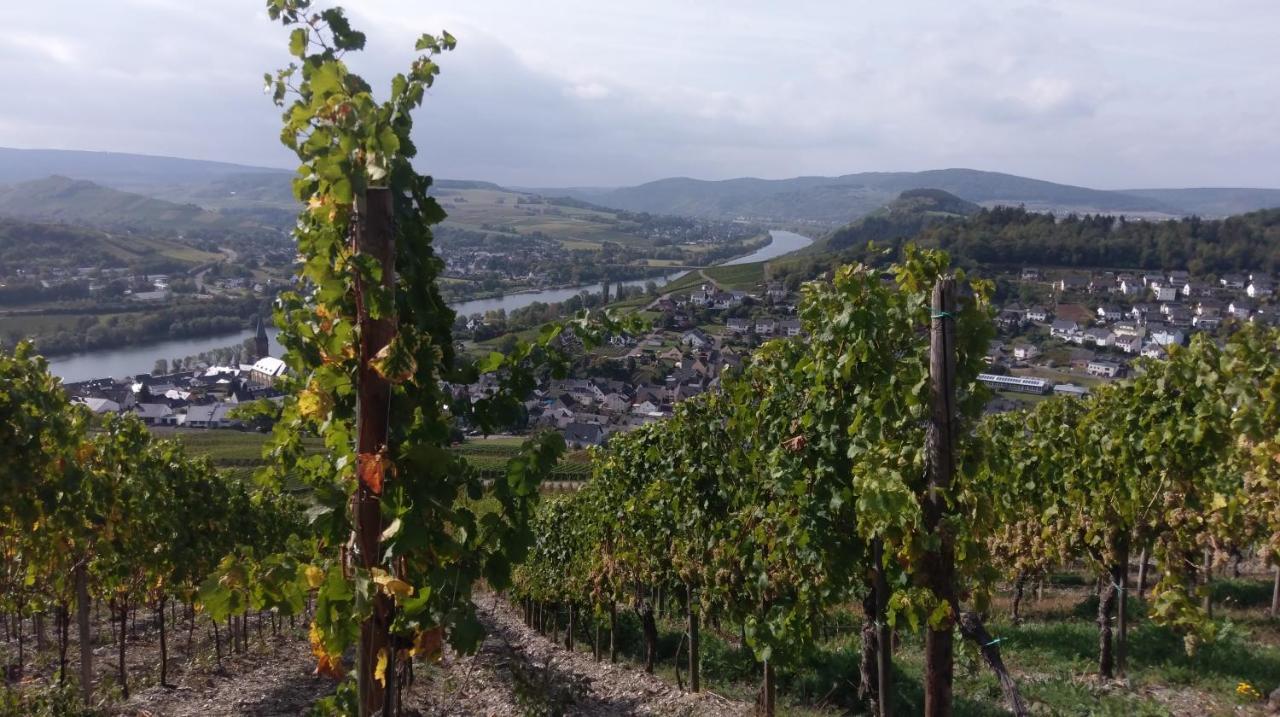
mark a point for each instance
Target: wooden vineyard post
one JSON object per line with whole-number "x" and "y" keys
{"x": 884, "y": 638}
{"x": 373, "y": 235}
{"x": 82, "y": 627}
{"x": 1122, "y": 616}
{"x": 695, "y": 683}
{"x": 1275, "y": 592}
{"x": 940, "y": 456}
{"x": 613, "y": 630}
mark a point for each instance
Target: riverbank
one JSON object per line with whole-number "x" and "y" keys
{"x": 130, "y": 360}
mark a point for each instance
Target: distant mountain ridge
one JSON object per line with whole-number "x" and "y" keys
{"x": 265, "y": 193}
{"x": 78, "y": 201}
{"x": 839, "y": 200}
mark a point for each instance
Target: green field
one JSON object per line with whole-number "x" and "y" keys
{"x": 32, "y": 324}
{"x": 227, "y": 447}
{"x": 738, "y": 277}
{"x": 491, "y": 454}
{"x": 493, "y": 209}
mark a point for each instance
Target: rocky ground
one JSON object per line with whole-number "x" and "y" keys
{"x": 516, "y": 672}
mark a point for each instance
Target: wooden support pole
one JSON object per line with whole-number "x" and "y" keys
{"x": 373, "y": 235}
{"x": 695, "y": 681}
{"x": 940, "y": 451}
{"x": 82, "y": 627}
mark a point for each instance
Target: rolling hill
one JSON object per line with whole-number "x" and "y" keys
{"x": 263, "y": 193}
{"x": 837, "y": 200}
{"x": 905, "y": 216}
{"x": 1213, "y": 201}
{"x": 78, "y": 201}
{"x": 27, "y": 245}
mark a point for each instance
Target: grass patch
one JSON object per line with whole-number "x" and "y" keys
{"x": 738, "y": 276}
{"x": 227, "y": 447}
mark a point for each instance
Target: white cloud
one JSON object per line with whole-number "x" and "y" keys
{"x": 1100, "y": 92}
{"x": 41, "y": 46}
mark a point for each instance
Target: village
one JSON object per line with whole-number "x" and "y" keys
{"x": 1090, "y": 331}
{"x": 1097, "y": 325}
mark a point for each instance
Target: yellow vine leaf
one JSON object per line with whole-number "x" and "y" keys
{"x": 326, "y": 664}
{"x": 380, "y": 668}
{"x": 315, "y": 576}
{"x": 391, "y": 585}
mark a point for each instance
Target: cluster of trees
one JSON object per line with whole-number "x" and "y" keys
{"x": 243, "y": 353}
{"x": 17, "y": 293}
{"x": 811, "y": 482}
{"x": 1014, "y": 236}
{"x": 105, "y": 514}
{"x": 172, "y": 321}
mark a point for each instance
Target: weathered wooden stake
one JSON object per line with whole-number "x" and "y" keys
{"x": 373, "y": 235}
{"x": 884, "y": 639}
{"x": 939, "y": 563}
{"x": 82, "y": 626}
{"x": 695, "y": 683}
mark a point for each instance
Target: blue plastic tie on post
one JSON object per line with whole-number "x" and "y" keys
{"x": 942, "y": 315}
{"x": 993, "y": 642}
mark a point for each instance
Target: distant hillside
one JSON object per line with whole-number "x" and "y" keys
{"x": 263, "y": 194}
{"x": 32, "y": 245}
{"x": 129, "y": 172}
{"x": 1213, "y": 201}
{"x": 60, "y": 199}
{"x": 839, "y": 200}
{"x": 905, "y": 216}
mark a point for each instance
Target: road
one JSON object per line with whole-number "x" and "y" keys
{"x": 231, "y": 257}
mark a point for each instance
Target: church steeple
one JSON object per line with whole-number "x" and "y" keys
{"x": 260, "y": 345}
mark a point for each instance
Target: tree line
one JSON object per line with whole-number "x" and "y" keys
{"x": 1015, "y": 236}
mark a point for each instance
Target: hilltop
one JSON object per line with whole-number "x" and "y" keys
{"x": 838, "y": 200}
{"x": 905, "y": 216}
{"x": 61, "y": 199}
{"x": 264, "y": 193}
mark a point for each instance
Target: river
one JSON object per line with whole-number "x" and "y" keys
{"x": 131, "y": 360}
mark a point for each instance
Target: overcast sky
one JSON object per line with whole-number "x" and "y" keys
{"x": 1105, "y": 93}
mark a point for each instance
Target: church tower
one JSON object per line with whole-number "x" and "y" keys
{"x": 260, "y": 345}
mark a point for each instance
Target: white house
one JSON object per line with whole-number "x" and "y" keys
{"x": 156, "y": 414}
{"x": 1166, "y": 336}
{"x": 1260, "y": 289}
{"x": 1240, "y": 308}
{"x": 1102, "y": 338}
{"x": 1064, "y": 328}
{"x": 101, "y": 405}
{"x": 695, "y": 338}
{"x": 1104, "y": 369}
{"x": 1128, "y": 344}
{"x": 1025, "y": 352}
{"x": 267, "y": 369}
{"x": 1110, "y": 312}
